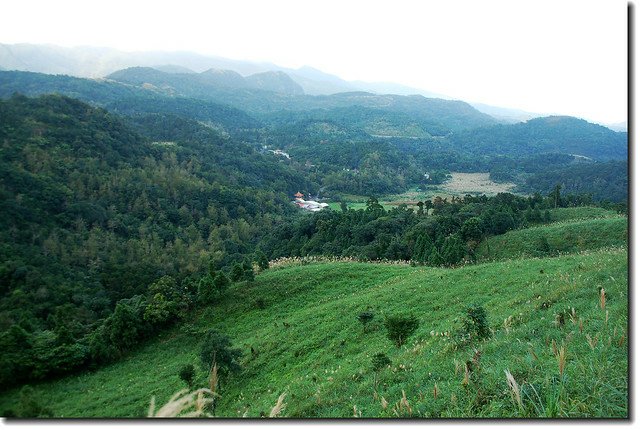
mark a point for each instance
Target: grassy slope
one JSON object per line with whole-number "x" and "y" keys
{"x": 323, "y": 360}
{"x": 570, "y": 235}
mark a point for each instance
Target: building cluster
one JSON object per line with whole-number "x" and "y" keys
{"x": 309, "y": 205}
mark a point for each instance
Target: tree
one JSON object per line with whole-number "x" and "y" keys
{"x": 247, "y": 271}
{"x": 237, "y": 272}
{"x": 373, "y": 205}
{"x": 400, "y": 328}
{"x": 221, "y": 283}
{"x": 428, "y": 204}
{"x": 543, "y": 247}
{"x": 453, "y": 250}
{"x": 262, "y": 260}
{"x": 420, "y": 208}
{"x": 471, "y": 230}
{"x": 217, "y": 348}
{"x": 380, "y": 361}
{"x": 556, "y": 200}
{"x": 207, "y": 289}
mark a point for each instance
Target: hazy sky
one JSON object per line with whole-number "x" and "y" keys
{"x": 548, "y": 56}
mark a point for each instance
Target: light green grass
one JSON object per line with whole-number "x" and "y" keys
{"x": 563, "y": 237}
{"x": 323, "y": 359}
{"x": 579, "y": 213}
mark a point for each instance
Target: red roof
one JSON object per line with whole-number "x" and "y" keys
{"x": 298, "y": 195}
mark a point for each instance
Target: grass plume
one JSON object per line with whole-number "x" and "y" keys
{"x": 279, "y": 406}
{"x": 515, "y": 389}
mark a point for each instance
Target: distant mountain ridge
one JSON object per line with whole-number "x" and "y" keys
{"x": 96, "y": 62}
{"x": 90, "y": 62}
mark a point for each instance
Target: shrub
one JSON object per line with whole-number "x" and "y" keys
{"x": 262, "y": 260}
{"x": 206, "y": 290}
{"x": 247, "y": 271}
{"x": 187, "y": 373}
{"x": 217, "y": 348}
{"x": 380, "y": 361}
{"x": 221, "y": 282}
{"x": 237, "y": 273}
{"x": 400, "y": 328}
{"x": 365, "y": 318}
{"x": 475, "y": 323}
{"x": 260, "y": 303}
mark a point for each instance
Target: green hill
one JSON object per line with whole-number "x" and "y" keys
{"x": 552, "y": 239}
{"x": 559, "y": 134}
{"x": 297, "y": 329}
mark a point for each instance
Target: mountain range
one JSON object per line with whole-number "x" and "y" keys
{"x": 93, "y": 62}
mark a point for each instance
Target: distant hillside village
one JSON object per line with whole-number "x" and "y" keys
{"x": 308, "y": 205}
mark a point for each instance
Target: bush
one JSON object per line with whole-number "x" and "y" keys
{"x": 221, "y": 282}
{"x": 262, "y": 260}
{"x": 380, "y": 361}
{"x": 237, "y": 273}
{"x": 217, "y": 348}
{"x": 365, "y": 318}
{"x": 206, "y": 290}
{"x": 187, "y": 373}
{"x": 475, "y": 323}
{"x": 400, "y": 328}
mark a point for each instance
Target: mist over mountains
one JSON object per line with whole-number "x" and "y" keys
{"x": 97, "y": 62}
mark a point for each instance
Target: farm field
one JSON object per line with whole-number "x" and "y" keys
{"x": 459, "y": 185}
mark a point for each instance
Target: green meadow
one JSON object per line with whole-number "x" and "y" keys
{"x": 558, "y": 343}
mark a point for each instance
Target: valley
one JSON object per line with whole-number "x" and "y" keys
{"x": 444, "y": 264}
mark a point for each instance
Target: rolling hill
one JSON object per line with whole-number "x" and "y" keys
{"x": 297, "y": 329}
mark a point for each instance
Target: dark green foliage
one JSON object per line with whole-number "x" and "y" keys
{"x": 471, "y": 230}
{"x": 237, "y": 272}
{"x": 187, "y": 373}
{"x": 207, "y": 290}
{"x": 400, "y": 328}
{"x": 551, "y": 134}
{"x": 379, "y": 361}
{"x": 543, "y": 246}
{"x": 475, "y": 323}
{"x": 217, "y": 348}
{"x": 221, "y": 282}
{"x": 247, "y": 271}
{"x": 261, "y": 303}
{"x": 365, "y": 318}
{"x": 453, "y": 250}
{"x": 166, "y": 301}
{"x": 262, "y": 260}
{"x": 95, "y": 211}
{"x": 608, "y": 181}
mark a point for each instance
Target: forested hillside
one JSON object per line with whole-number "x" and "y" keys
{"x": 359, "y": 143}
{"x": 96, "y": 209}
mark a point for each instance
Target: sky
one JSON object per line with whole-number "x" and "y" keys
{"x": 544, "y": 56}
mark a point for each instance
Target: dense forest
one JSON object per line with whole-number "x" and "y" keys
{"x": 96, "y": 209}
{"x": 356, "y": 143}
